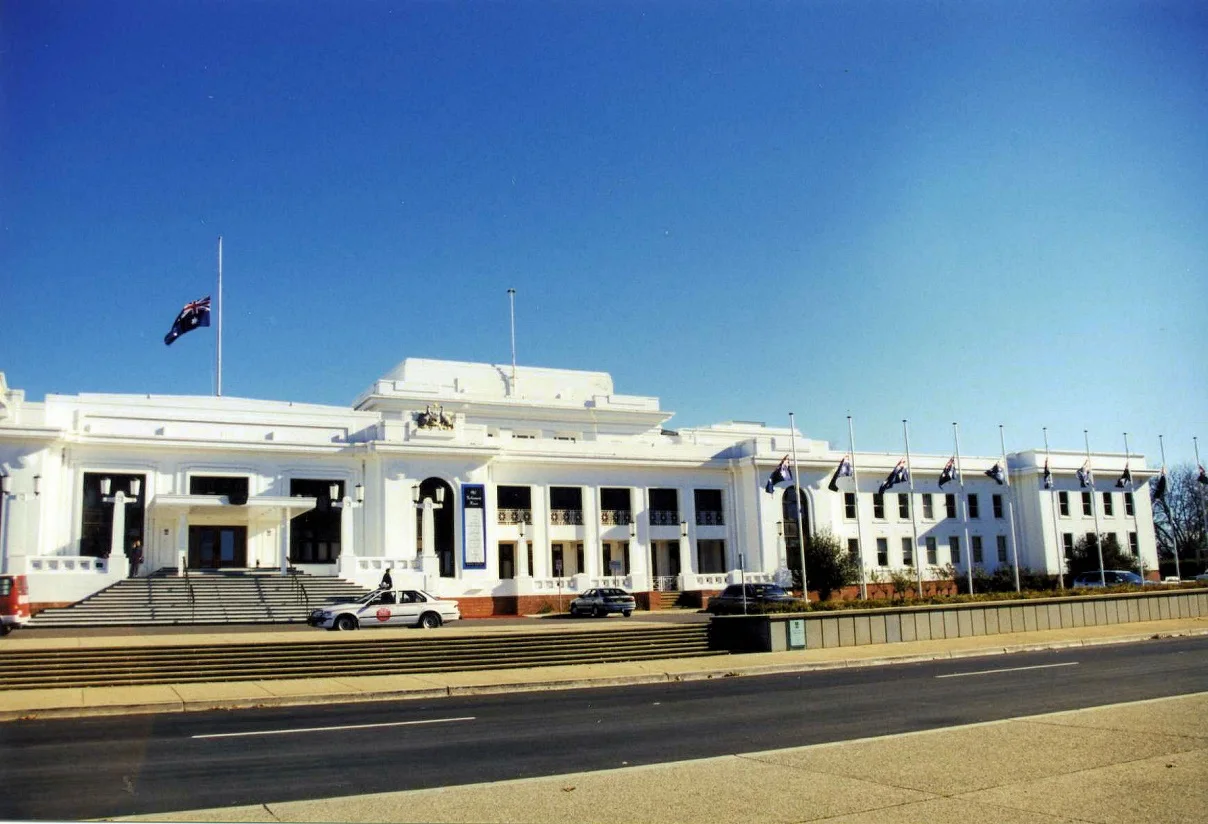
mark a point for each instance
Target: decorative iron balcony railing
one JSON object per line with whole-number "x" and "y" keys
{"x": 566, "y": 517}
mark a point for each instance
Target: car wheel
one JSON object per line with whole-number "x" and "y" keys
{"x": 5, "y": 629}
{"x": 596, "y": 612}
{"x": 346, "y": 623}
{"x": 627, "y": 613}
{"x": 429, "y": 620}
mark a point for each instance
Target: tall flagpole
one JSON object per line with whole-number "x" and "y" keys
{"x": 219, "y": 393}
{"x": 1136, "y": 530}
{"x": 1203, "y": 512}
{"x": 1095, "y": 508}
{"x": 1177, "y": 571}
{"x": 1053, "y": 508}
{"x": 1006, "y": 471}
{"x": 512, "y": 310}
{"x": 960, "y": 473}
{"x": 914, "y": 524}
{"x": 855, "y": 477}
{"x": 805, "y": 590}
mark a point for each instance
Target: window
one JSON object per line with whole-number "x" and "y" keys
{"x": 996, "y": 500}
{"x": 907, "y": 552}
{"x": 1090, "y": 539}
{"x": 710, "y": 555}
{"x": 235, "y": 488}
{"x": 878, "y": 506}
{"x": 708, "y": 507}
{"x": 977, "y": 549}
{"x": 903, "y": 504}
{"x": 853, "y": 549}
{"x": 932, "y": 555}
{"x": 96, "y": 516}
{"x": 1063, "y": 504}
{"x": 849, "y": 505}
{"x": 1002, "y": 548}
{"x": 974, "y": 508}
{"x": 507, "y": 560}
{"x": 557, "y": 560}
{"x": 928, "y": 507}
{"x": 1107, "y": 504}
{"x": 954, "y": 549}
{"x": 1129, "y": 509}
{"x": 314, "y": 536}
{"x": 524, "y": 436}
{"x": 949, "y": 506}
{"x": 882, "y": 552}
{"x": 582, "y": 567}
{"x": 1133, "y": 546}
{"x": 615, "y": 506}
{"x": 1087, "y": 504}
{"x": 1067, "y": 544}
{"x": 664, "y": 507}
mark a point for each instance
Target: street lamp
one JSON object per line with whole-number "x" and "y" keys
{"x": 6, "y": 491}
{"x": 119, "y": 500}
{"x": 347, "y": 505}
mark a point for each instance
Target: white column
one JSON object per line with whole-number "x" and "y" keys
{"x": 592, "y": 547}
{"x": 522, "y": 567}
{"x": 182, "y": 543}
{"x": 283, "y": 541}
{"x": 346, "y": 531}
{"x": 117, "y": 546}
{"x": 539, "y": 533}
{"x": 687, "y": 505}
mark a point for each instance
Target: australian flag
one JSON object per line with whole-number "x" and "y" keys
{"x": 193, "y": 315}
{"x": 781, "y": 473}
{"x": 1159, "y": 490}
{"x": 1203, "y": 477}
{"x": 899, "y": 475}
{"x": 996, "y": 472}
{"x": 1048, "y": 476}
{"x": 1085, "y": 477}
{"x": 843, "y": 470}
{"x": 949, "y": 473}
{"x": 1125, "y": 479}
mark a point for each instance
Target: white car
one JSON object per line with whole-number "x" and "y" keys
{"x": 387, "y": 608}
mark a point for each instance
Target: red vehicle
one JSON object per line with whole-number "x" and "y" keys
{"x": 14, "y": 602}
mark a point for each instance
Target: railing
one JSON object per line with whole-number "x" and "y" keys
{"x": 666, "y": 583}
{"x": 710, "y": 518}
{"x": 66, "y": 563}
{"x": 515, "y": 516}
{"x": 615, "y": 517}
{"x": 191, "y": 593}
{"x": 299, "y": 588}
{"x": 664, "y": 517}
{"x": 566, "y": 517}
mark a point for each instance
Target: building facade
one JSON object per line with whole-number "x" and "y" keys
{"x": 508, "y": 489}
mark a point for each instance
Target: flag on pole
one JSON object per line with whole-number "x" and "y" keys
{"x": 949, "y": 473}
{"x": 1048, "y": 476}
{"x": 1085, "y": 476}
{"x": 898, "y": 475}
{"x": 781, "y": 473}
{"x": 193, "y": 315}
{"x": 1125, "y": 479}
{"x": 996, "y": 472}
{"x": 843, "y": 470}
{"x": 1159, "y": 491}
{"x": 1203, "y": 478}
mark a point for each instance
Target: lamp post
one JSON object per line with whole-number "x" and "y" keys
{"x": 119, "y": 500}
{"x": 428, "y": 507}
{"x": 346, "y": 505}
{"x": 6, "y": 490}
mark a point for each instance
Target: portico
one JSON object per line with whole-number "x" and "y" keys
{"x": 210, "y": 532}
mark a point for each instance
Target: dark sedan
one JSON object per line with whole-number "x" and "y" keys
{"x": 731, "y": 599}
{"x": 600, "y": 601}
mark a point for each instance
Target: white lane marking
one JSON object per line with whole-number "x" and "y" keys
{"x": 1007, "y": 669}
{"x": 330, "y": 729}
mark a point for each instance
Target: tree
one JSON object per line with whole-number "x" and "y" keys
{"x": 828, "y": 565}
{"x": 1085, "y": 557}
{"x": 1178, "y": 520}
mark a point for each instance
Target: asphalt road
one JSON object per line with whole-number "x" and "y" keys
{"x": 87, "y": 768}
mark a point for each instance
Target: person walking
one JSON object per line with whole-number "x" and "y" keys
{"x": 136, "y": 557}
{"x": 387, "y": 581}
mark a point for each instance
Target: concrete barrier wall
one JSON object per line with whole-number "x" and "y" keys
{"x": 774, "y": 633}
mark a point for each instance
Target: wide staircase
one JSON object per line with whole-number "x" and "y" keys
{"x": 341, "y": 656}
{"x": 167, "y": 599}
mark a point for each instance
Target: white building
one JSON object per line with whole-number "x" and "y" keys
{"x": 502, "y": 490}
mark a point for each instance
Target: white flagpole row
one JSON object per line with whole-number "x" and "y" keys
{"x": 960, "y": 473}
{"x": 1006, "y": 472}
{"x": 512, "y": 312}
{"x": 1136, "y": 530}
{"x": 1095, "y": 508}
{"x": 1053, "y": 507}
{"x": 797, "y": 504}
{"x": 855, "y": 477}
{"x": 219, "y": 387}
{"x": 914, "y": 525}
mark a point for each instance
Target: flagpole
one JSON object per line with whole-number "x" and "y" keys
{"x": 1006, "y": 471}
{"x": 1136, "y": 529}
{"x": 1177, "y": 571}
{"x": 956, "y": 440}
{"x": 805, "y": 592}
{"x": 1053, "y": 508}
{"x": 855, "y": 476}
{"x": 1203, "y": 512}
{"x": 512, "y": 311}
{"x": 914, "y": 525}
{"x": 1095, "y": 508}
{"x": 219, "y": 392}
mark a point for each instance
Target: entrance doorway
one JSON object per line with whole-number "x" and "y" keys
{"x": 217, "y": 547}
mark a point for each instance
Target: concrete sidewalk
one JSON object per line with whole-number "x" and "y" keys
{"x": 75, "y": 702}
{"x": 1128, "y": 763}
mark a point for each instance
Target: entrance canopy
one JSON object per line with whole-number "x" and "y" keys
{"x": 259, "y": 509}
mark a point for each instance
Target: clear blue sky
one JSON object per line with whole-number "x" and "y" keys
{"x": 983, "y": 212}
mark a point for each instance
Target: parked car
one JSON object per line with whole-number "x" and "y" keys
{"x": 387, "y": 608}
{"x": 1202, "y": 578}
{"x": 1114, "y": 577}
{"x": 600, "y": 601}
{"x": 14, "y": 602}
{"x": 1174, "y": 579}
{"x": 731, "y": 598}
